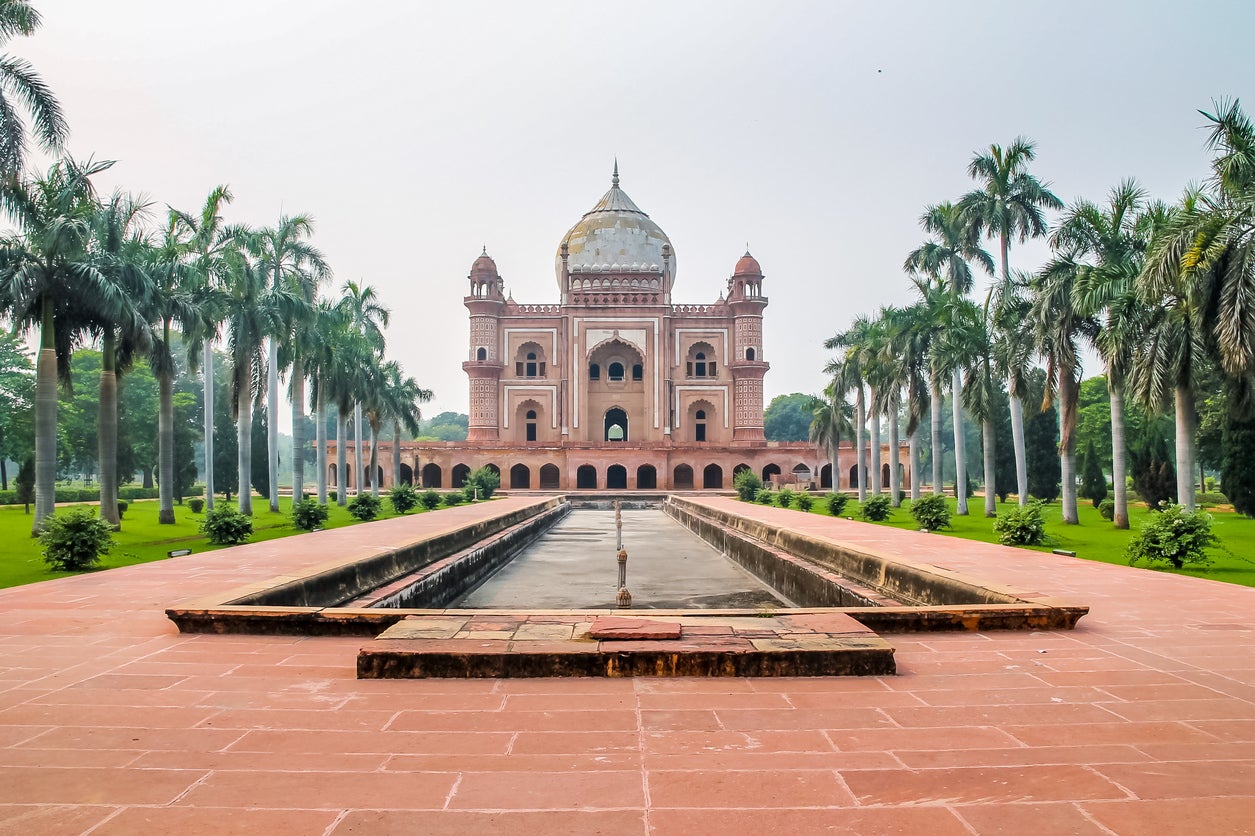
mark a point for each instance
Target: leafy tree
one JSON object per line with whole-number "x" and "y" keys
{"x": 1150, "y": 465}
{"x": 25, "y": 483}
{"x": 22, "y": 88}
{"x": 1093, "y": 481}
{"x": 1041, "y": 436}
{"x": 446, "y": 426}
{"x": 17, "y": 398}
{"x": 747, "y": 484}
{"x": 260, "y": 472}
{"x": 485, "y": 479}
{"x": 1093, "y": 419}
{"x": 1237, "y": 473}
{"x": 788, "y": 418}
{"x": 186, "y": 421}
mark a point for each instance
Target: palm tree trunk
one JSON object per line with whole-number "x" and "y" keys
{"x": 107, "y": 435}
{"x": 1185, "y": 446}
{"x": 1116, "y": 393}
{"x": 935, "y": 436}
{"x": 296, "y": 386}
{"x": 396, "y": 453}
{"x": 960, "y": 446}
{"x": 914, "y": 440}
{"x": 990, "y": 438}
{"x": 877, "y": 486}
{"x": 1068, "y": 391}
{"x": 357, "y": 446}
{"x": 895, "y": 481}
{"x": 45, "y": 422}
{"x": 320, "y": 442}
{"x": 165, "y": 443}
{"x": 272, "y": 425}
{"x": 1021, "y": 454}
{"x": 342, "y": 463}
{"x": 209, "y": 424}
{"x": 860, "y": 435}
{"x": 244, "y": 441}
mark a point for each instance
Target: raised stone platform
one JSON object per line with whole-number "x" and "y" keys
{"x": 520, "y": 645}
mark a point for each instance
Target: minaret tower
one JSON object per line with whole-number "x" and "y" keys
{"x": 746, "y": 300}
{"x": 485, "y": 364}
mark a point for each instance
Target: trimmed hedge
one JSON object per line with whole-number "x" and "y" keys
{"x": 127, "y": 492}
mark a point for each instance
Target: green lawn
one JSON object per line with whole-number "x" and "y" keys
{"x": 142, "y": 540}
{"x": 1233, "y": 560}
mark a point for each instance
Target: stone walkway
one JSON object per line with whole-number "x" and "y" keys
{"x": 1142, "y": 720}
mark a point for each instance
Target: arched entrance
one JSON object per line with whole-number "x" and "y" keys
{"x": 407, "y": 474}
{"x": 550, "y": 477}
{"x": 431, "y": 475}
{"x": 825, "y": 476}
{"x": 854, "y": 476}
{"x": 771, "y": 473}
{"x": 884, "y": 475}
{"x": 331, "y": 475}
{"x": 682, "y": 478}
{"x": 460, "y": 472}
{"x": 586, "y": 477}
{"x": 616, "y": 425}
{"x": 646, "y": 477}
{"x": 712, "y": 477}
{"x": 520, "y": 477}
{"x": 616, "y": 477}
{"x": 801, "y": 473}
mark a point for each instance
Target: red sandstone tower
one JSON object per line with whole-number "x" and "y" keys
{"x": 484, "y": 366}
{"x": 746, "y": 301}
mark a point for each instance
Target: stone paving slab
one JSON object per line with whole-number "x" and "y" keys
{"x": 111, "y": 721}
{"x": 828, "y": 644}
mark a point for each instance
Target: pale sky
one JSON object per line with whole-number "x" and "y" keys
{"x": 417, "y": 132}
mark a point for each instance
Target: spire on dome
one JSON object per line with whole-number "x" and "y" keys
{"x": 485, "y": 250}
{"x": 614, "y": 180}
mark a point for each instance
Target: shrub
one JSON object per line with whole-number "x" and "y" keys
{"x": 365, "y": 506}
{"x": 226, "y": 526}
{"x": 453, "y": 498}
{"x": 1174, "y": 536}
{"x": 877, "y": 508}
{"x": 1021, "y": 526}
{"x": 403, "y": 498}
{"x": 484, "y": 478}
{"x": 429, "y": 499}
{"x": 804, "y": 501}
{"x": 747, "y": 485}
{"x": 132, "y": 492}
{"x": 836, "y": 503}
{"x": 308, "y": 514}
{"x": 122, "y": 506}
{"x": 196, "y": 504}
{"x": 784, "y": 498}
{"x": 1107, "y": 509}
{"x": 75, "y": 538}
{"x": 333, "y": 496}
{"x": 764, "y": 496}
{"x": 931, "y": 512}
{"x": 25, "y": 484}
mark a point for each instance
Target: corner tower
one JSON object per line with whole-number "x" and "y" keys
{"x": 746, "y": 302}
{"x": 483, "y": 366}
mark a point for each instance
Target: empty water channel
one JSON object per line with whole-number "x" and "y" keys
{"x": 573, "y": 565}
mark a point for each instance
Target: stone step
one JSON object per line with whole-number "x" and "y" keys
{"x": 519, "y": 645}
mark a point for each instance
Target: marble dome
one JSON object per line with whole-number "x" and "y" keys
{"x": 614, "y": 236}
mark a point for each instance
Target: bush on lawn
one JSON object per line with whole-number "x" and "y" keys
{"x": 365, "y": 506}
{"x": 196, "y": 504}
{"x": 430, "y": 499}
{"x": 747, "y": 485}
{"x": 1175, "y": 536}
{"x": 226, "y": 526}
{"x": 75, "y": 538}
{"x": 1021, "y": 526}
{"x": 931, "y": 512}
{"x": 877, "y": 508}
{"x": 836, "y": 503}
{"x": 403, "y": 498}
{"x": 804, "y": 501}
{"x": 308, "y": 514}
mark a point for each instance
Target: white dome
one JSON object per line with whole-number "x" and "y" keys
{"x": 612, "y": 235}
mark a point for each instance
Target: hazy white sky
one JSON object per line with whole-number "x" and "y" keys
{"x": 416, "y": 132}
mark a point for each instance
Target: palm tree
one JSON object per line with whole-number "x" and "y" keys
{"x": 910, "y": 341}
{"x": 43, "y": 272}
{"x": 393, "y": 398}
{"x": 117, "y": 255}
{"x": 928, "y": 318}
{"x": 255, "y": 310}
{"x": 1111, "y": 241}
{"x": 1008, "y": 203}
{"x": 831, "y": 417}
{"x": 965, "y": 346}
{"x": 178, "y": 296}
{"x": 207, "y": 241}
{"x": 292, "y": 263}
{"x": 21, "y": 88}
{"x": 367, "y": 315}
{"x": 948, "y": 259}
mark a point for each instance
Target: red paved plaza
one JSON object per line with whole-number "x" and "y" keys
{"x": 1142, "y": 720}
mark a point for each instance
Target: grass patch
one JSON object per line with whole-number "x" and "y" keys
{"x": 143, "y": 540}
{"x": 1233, "y": 560}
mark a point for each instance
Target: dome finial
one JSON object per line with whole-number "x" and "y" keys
{"x": 614, "y": 180}
{"x": 485, "y": 250}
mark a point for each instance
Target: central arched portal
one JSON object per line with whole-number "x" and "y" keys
{"x": 616, "y": 425}
{"x": 616, "y": 477}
